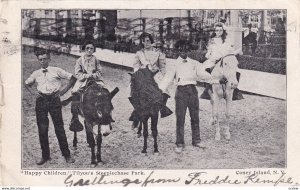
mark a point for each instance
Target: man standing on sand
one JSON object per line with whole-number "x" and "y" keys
{"x": 185, "y": 73}
{"x": 48, "y": 80}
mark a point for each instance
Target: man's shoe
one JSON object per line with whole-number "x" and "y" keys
{"x": 43, "y": 161}
{"x": 70, "y": 160}
{"x": 199, "y": 145}
{"x": 178, "y": 150}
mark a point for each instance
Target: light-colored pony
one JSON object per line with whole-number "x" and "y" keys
{"x": 224, "y": 82}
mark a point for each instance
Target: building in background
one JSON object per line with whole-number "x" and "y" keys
{"x": 166, "y": 26}
{"x": 79, "y": 24}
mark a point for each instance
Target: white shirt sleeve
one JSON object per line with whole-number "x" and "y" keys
{"x": 31, "y": 79}
{"x": 168, "y": 78}
{"x": 63, "y": 74}
{"x": 202, "y": 74}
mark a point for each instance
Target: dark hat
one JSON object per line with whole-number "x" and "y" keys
{"x": 41, "y": 51}
{"x": 180, "y": 44}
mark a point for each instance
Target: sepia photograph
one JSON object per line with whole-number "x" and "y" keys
{"x": 161, "y": 89}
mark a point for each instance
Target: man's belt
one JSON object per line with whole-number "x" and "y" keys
{"x": 186, "y": 86}
{"x": 49, "y": 94}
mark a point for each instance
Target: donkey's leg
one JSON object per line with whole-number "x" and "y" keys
{"x": 229, "y": 93}
{"x": 90, "y": 141}
{"x": 75, "y": 141}
{"x": 145, "y": 134}
{"x": 211, "y": 121}
{"x": 154, "y": 120}
{"x": 216, "y": 122}
{"x": 93, "y": 158}
{"x": 139, "y": 133}
{"x": 216, "y": 99}
{"x": 99, "y": 142}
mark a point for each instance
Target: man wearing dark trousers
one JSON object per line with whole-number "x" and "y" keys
{"x": 48, "y": 80}
{"x": 186, "y": 97}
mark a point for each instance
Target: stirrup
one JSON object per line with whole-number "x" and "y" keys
{"x": 165, "y": 112}
{"x": 75, "y": 125}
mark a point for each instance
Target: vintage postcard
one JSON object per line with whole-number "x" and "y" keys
{"x": 146, "y": 94}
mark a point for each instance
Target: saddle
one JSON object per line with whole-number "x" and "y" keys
{"x": 145, "y": 94}
{"x": 77, "y": 98}
{"x": 145, "y": 91}
{"x": 237, "y": 94}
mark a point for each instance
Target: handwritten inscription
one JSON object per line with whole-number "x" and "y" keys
{"x": 2, "y": 20}
{"x": 195, "y": 178}
{"x": 292, "y": 26}
{"x": 254, "y": 178}
{"x": 8, "y": 50}
{"x": 103, "y": 180}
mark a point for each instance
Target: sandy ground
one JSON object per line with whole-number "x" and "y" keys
{"x": 258, "y": 132}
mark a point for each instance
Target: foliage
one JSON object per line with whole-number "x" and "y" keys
{"x": 270, "y": 65}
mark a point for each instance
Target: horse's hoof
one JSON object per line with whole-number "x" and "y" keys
{"x": 156, "y": 153}
{"x": 76, "y": 151}
{"x": 212, "y": 121}
{"x": 227, "y": 136}
{"x": 144, "y": 152}
{"x": 93, "y": 164}
{"x": 218, "y": 137}
{"x": 178, "y": 150}
{"x": 139, "y": 135}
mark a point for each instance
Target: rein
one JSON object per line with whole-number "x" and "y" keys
{"x": 225, "y": 80}
{"x": 221, "y": 64}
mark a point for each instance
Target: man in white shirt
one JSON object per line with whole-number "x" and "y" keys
{"x": 48, "y": 80}
{"x": 186, "y": 72}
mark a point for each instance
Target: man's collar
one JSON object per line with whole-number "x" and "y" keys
{"x": 181, "y": 59}
{"x": 188, "y": 59}
{"x": 88, "y": 58}
{"x": 45, "y": 68}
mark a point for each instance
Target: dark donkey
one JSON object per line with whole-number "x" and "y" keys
{"x": 147, "y": 100}
{"x": 96, "y": 108}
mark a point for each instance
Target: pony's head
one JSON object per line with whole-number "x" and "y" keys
{"x": 229, "y": 65}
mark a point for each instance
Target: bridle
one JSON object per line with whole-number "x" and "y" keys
{"x": 224, "y": 80}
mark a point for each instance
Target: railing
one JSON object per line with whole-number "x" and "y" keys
{"x": 269, "y": 44}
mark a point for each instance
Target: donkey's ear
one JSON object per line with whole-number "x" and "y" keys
{"x": 114, "y": 92}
